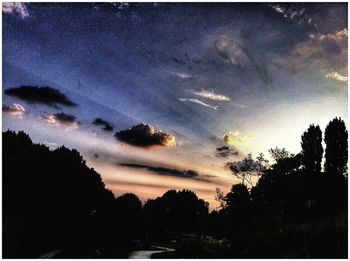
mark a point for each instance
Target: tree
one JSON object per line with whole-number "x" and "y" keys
{"x": 280, "y": 154}
{"x": 220, "y": 198}
{"x": 238, "y": 196}
{"x": 52, "y": 197}
{"x": 336, "y": 139}
{"x": 262, "y": 163}
{"x": 180, "y": 211}
{"x": 129, "y": 204}
{"x": 312, "y": 150}
{"x": 248, "y": 169}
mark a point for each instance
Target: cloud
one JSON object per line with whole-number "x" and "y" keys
{"x": 167, "y": 171}
{"x": 199, "y": 102}
{"x": 235, "y": 52}
{"x": 44, "y": 95}
{"x": 121, "y": 6}
{"x": 288, "y": 11}
{"x": 107, "y": 126}
{"x": 225, "y": 151}
{"x": 230, "y": 49}
{"x": 61, "y": 118}
{"x": 144, "y": 135}
{"x": 183, "y": 75}
{"x": 15, "y": 7}
{"x": 324, "y": 52}
{"x": 14, "y": 109}
{"x": 235, "y": 138}
{"x": 336, "y": 76}
{"x": 211, "y": 95}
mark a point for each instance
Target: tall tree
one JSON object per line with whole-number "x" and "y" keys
{"x": 311, "y": 144}
{"x": 336, "y": 139}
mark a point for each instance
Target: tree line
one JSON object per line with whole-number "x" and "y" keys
{"x": 52, "y": 200}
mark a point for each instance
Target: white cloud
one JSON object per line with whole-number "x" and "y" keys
{"x": 15, "y": 109}
{"x": 288, "y": 12}
{"x": 336, "y": 76}
{"x": 211, "y": 95}
{"x": 199, "y": 102}
{"x": 15, "y": 7}
{"x": 183, "y": 75}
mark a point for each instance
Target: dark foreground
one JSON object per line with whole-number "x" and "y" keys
{"x": 54, "y": 206}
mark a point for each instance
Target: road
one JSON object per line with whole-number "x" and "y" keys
{"x": 146, "y": 254}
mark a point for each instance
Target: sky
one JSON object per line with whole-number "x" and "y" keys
{"x": 160, "y": 96}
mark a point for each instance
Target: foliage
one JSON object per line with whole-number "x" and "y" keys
{"x": 311, "y": 144}
{"x": 336, "y": 139}
{"x": 51, "y": 200}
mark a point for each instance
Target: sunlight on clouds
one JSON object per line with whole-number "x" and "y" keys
{"x": 235, "y": 138}
{"x": 15, "y": 109}
{"x": 322, "y": 52}
{"x": 57, "y": 120}
{"x": 19, "y": 8}
{"x": 211, "y": 95}
{"x": 336, "y": 76}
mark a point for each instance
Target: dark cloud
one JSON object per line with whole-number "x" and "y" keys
{"x": 144, "y": 135}
{"x": 107, "y": 126}
{"x": 35, "y": 94}
{"x": 225, "y": 151}
{"x": 166, "y": 171}
{"x": 61, "y": 118}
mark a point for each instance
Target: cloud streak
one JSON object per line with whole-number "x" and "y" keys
{"x": 211, "y": 95}
{"x": 166, "y": 171}
{"x": 336, "y": 76}
{"x": 199, "y": 102}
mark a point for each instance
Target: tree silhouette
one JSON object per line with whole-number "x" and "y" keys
{"x": 312, "y": 150}
{"x": 279, "y": 154}
{"x": 246, "y": 169}
{"x": 238, "y": 196}
{"x": 220, "y": 197}
{"x": 176, "y": 211}
{"x": 336, "y": 139}
{"x": 52, "y": 197}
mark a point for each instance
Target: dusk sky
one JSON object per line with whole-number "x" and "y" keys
{"x": 160, "y": 96}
